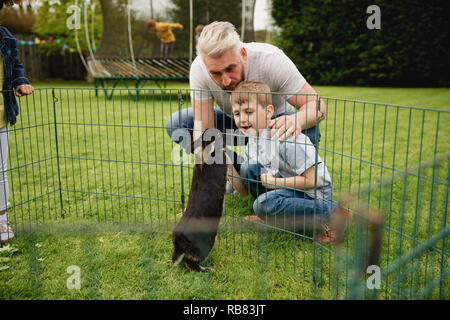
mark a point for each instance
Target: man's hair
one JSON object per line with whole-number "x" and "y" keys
{"x": 217, "y": 38}
{"x": 249, "y": 90}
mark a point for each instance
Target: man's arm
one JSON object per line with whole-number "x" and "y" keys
{"x": 203, "y": 116}
{"x": 306, "y": 103}
{"x": 203, "y": 119}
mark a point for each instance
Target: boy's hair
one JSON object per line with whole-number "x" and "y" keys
{"x": 248, "y": 90}
{"x": 217, "y": 38}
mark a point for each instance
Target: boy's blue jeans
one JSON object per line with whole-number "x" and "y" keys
{"x": 274, "y": 202}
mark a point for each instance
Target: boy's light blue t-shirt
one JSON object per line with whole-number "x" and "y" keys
{"x": 285, "y": 159}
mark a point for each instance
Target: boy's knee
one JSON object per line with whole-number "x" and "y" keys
{"x": 260, "y": 208}
{"x": 264, "y": 206}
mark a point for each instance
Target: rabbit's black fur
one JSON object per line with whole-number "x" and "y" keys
{"x": 195, "y": 234}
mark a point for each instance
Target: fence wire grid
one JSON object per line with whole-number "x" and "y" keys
{"x": 74, "y": 155}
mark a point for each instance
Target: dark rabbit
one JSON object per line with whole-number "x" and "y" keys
{"x": 195, "y": 234}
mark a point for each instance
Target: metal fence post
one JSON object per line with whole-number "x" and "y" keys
{"x": 180, "y": 103}
{"x": 55, "y": 100}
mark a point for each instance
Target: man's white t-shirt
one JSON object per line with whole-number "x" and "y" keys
{"x": 265, "y": 63}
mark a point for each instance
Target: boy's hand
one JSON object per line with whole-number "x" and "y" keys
{"x": 268, "y": 181}
{"x": 24, "y": 90}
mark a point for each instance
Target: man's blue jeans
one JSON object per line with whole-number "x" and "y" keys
{"x": 285, "y": 202}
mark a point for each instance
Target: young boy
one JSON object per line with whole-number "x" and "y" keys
{"x": 288, "y": 179}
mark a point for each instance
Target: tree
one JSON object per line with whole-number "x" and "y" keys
{"x": 206, "y": 11}
{"x": 52, "y": 20}
{"x": 115, "y": 40}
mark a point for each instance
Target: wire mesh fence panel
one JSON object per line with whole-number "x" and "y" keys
{"x": 75, "y": 155}
{"x": 412, "y": 260}
{"x": 390, "y": 159}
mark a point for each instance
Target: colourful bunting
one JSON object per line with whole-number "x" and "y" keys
{"x": 38, "y": 41}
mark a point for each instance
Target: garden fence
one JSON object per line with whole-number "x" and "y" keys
{"x": 77, "y": 156}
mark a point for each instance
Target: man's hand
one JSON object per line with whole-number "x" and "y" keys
{"x": 285, "y": 127}
{"x": 24, "y": 90}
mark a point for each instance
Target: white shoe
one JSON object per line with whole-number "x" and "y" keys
{"x": 6, "y": 232}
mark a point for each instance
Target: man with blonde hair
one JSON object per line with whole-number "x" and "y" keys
{"x": 222, "y": 62}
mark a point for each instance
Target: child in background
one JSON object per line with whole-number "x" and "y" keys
{"x": 198, "y": 32}
{"x": 164, "y": 32}
{"x": 13, "y": 80}
{"x": 287, "y": 178}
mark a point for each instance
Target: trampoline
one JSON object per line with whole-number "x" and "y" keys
{"x": 128, "y": 53}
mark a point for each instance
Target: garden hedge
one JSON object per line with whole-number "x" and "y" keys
{"x": 331, "y": 44}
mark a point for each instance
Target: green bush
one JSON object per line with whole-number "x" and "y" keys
{"x": 331, "y": 44}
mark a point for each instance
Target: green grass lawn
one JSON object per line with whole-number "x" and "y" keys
{"x": 120, "y": 195}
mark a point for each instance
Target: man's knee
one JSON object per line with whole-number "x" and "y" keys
{"x": 178, "y": 125}
{"x": 250, "y": 171}
{"x": 172, "y": 124}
